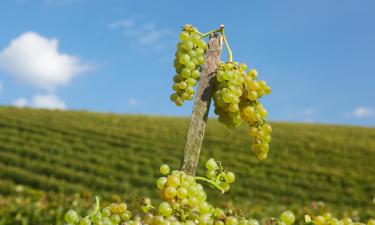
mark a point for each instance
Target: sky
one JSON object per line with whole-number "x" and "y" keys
{"x": 117, "y": 55}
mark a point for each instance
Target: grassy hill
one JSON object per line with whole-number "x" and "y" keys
{"x": 106, "y": 154}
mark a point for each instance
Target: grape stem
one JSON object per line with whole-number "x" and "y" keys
{"x": 210, "y": 182}
{"x": 221, "y": 30}
{"x": 97, "y": 208}
{"x": 230, "y": 55}
{"x": 209, "y": 32}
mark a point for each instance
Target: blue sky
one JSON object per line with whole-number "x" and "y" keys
{"x": 116, "y": 55}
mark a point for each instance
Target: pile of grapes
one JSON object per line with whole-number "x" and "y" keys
{"x": 236, "y": 91}
{"x": 183, "y": 201}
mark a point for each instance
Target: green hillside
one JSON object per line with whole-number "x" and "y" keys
{"x": 106, "y": 154}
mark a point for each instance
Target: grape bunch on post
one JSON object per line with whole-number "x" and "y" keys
{"x": 235, "y": 91}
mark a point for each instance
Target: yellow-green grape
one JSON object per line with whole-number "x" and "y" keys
{"x": 182, "y": 192}
{"x": 85, "y": 221}
{"x": 371, "y": 222}
{"x": 170, "y": 192}
{"x": 287, "y": 217}
{"x": 164, "y": 169}
{"x": 165, "y": 209}
{"x": 173, "y": 180}
{"x": 229, "y": 177}
{"x": 231, "y": 220}
{"x": 211, "y": 164}
{"x": 119, "y": 208}
{"x": 188, "y": 62}
{"x": 71, "y": 217}
{"x": 253, "y": 222}
{"x": 160, "y": 183}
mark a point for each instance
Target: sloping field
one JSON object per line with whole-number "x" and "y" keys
{"x": 106, "y": 155}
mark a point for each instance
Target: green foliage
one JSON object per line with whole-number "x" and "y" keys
{"x": 52, "y": 152}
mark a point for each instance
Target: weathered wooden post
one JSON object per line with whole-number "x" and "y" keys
{"x": 201, "y": 107}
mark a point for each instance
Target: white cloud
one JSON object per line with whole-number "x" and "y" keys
{"x": 124, "y": 23}
{"x": 47, "y": 101}
{"x": 20, "y": 102}
{"x": 36, "y": 60}
{"x": 146, "y": 34}
{"x": 133, "y": 102}
{"x": 363, "y": 112}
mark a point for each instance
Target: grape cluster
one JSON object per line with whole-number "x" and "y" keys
{"x": 114, "y": 214}
{"x": 236, "y": 99}
{"x": 328, "y": 219}
{"x": 254, "y": 113}
{"x": 228, "y": 91}
{"x": 188, "y": 62}
{"x": 216, "y": 173}
{"x": 183, "y": 202}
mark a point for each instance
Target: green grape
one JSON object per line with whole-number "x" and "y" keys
{"x": 126, "y": 215}
{"x": 192, "y": 201}
{"x": 211, "y": 164}
{"x": 165, "y": 209}
{"x": 287, "y": 217}
{"x": 243, "y": 222}
{"x": 199, "y": 51}
{"x": 188, "y": 45}
{"x": 253, "y": 73}
{"x": 253, "y": 222}
{"x": 161, "y": 182}
{"x": 218, "y": 213}
{"x": 106, "y": 221}
{"x": 204, "y": 219}
{"x": 71, "y": 217}
{"x": 371, "y": 222}
{"x": 195, "y": 74}
{"x": 191, "y": 82}
{"x": 185, "y": 73}
{"x": 170, "y": 192}
{"x": 211, "y": 174}
{"x": 204, "y": 207}
{"x": 173, "y": 181}
{"x": 119, "y": 208}
{"x": 229, "y": 177}
{"x": 231, "y": 220}
{"x": 116, "y": 219}
{"x": 182, "y": 193}
{"x": 164, "y": 169}
{"x": 189, "y": 90}
{"x": 224, "y": 186}
{"x": 184, "y": 59}
{"x": 184, "y": 36}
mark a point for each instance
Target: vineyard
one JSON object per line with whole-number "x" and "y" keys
{"x": 48, "y": 155}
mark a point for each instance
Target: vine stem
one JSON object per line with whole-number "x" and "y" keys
{"x": 97, "y": 207}
{"x": 210, "y": 182}
{"x": 230, "y": 55}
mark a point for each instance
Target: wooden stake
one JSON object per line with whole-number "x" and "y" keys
{"x": 201, "y": 108}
